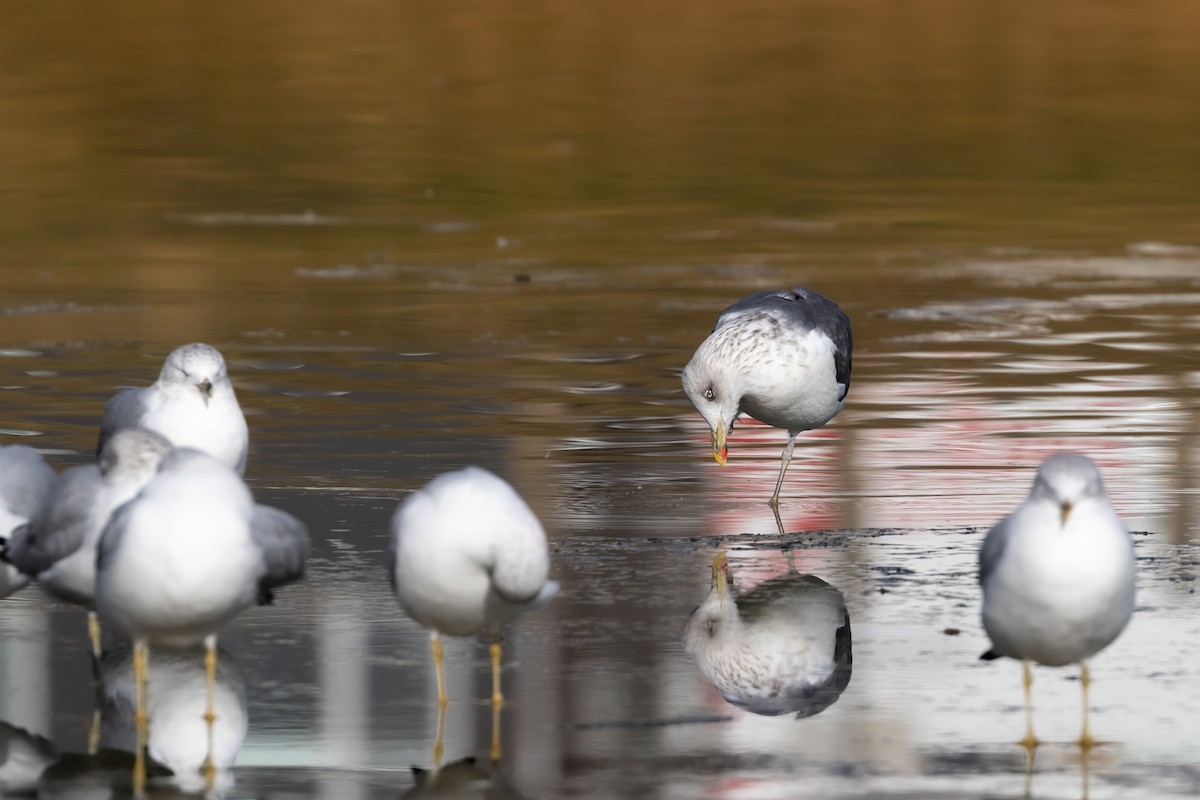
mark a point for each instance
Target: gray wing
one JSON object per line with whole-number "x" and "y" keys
{"x": 60, "y": 526}
{"x": 25, "y": 479}
{"x": 123, "y": 410}
{"x": 993, "y": 547}
{"x": 283, "y": 540}
{"x": 114, "y": 532}
{"x": 808, "y": 310}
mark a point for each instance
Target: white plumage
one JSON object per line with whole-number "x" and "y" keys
{"x": 1057, "y": 574}
{"x": 25, "y": 479}
{"x": 192, "y": 404}
{"x": 782, "y": 357}
{"x": 185, "y": 557}
{"x": 468, "y": 555}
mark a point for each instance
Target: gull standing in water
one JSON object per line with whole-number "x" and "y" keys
{"x": 192, "y": 404}
{"x": 185, "y": 557}
{"x": 25, "y": 479}
{"x": 468, "y": 555}
{"x": 57, "y": 547}
{"x": 1058, "y": 577}
{"x": 783, "y": 357}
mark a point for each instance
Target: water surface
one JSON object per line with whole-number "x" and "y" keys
{"x": 425, "y": 237}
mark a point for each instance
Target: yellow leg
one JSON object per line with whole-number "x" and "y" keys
{"x": 495, "y": 649}
{"x": 497, "y": 699}
{"x": 93, "y": 741}
{"x": 1030, "y": 741}
{"x": 439, "y": 669}
{"x": 1085, "y": 680}
{"x": 1030, "y": 756}
{"x": 439, "y": 744}
{"x": 210, "y": 714}
{"x": 1086, "y": 768}
{"x": 141, "y": 717}
{"x": 495, "y": 751}
{"x": 94, "y": 633}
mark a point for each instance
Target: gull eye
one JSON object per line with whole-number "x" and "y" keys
{"x": 709, "y": 394}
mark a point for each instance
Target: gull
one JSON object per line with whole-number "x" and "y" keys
{"x": 1058, "y": 577}
{"x": 57, "y": 547}
{"x": 783, "y": 357}
{"x": 25, "y": 478}
{"x": 192, "y": 404}
{"x": 467, "y": 555}
{"x": 182, "y": 559}
{"x": 782, "y": 647}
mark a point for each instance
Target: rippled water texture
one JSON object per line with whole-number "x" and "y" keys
{"x": 426, "y": 235}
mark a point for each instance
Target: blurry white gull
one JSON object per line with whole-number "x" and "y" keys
{"x": 192, "y": 404}
{"x": 25, "y": 479}
{"x": 783, "y": 357}
{"x": 57, "y": 547}
{"x": 1057, "y": 576}
{"x": 467, "y": 555}
{"x": 185, "y": 557}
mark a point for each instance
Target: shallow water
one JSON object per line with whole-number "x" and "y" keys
{"x": 427, "y": 237}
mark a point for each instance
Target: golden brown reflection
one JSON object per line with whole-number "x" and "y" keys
{"x": 456, "y": 127}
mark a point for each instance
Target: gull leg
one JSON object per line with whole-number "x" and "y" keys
{"x": 1030, "y": 756}
{"x": 1085, "y": 680}
{"x": 1030, "y": 741}
{"x": 141, "y": 717}
{"x": 93, "y": 740}
{"x": 94, "y": 634}
{"x": 439, "y": 746}
{"x": 1086, "y": 757}
{"x": 497, "y": 698}
{"x": 210, "y": 714}
{"x": 778, "y": 519}
{"x": 435, "y": 640}
{"x": 786, "y": 458}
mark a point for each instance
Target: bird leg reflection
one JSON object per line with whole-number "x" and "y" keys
{"x": 497, "y": 698}
{"x": 439, "y": 746}
{"x": 1030, "y": 756}
{"x": 1085, "y": 680}
{"x": 93, "y": 623}
{"x": 787, "y": 459}
{"x": 93, "y": 740}
{"x": 1085, "y": 757}
{"x": 141, "y": 718}
{"x": 210, "y": 714}
{"x": 1030, "y": 741}
{"x": 439, "y": 669}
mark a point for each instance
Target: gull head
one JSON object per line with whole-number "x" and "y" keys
{"x": 714, "y": 390}
{"x": 198, "y": 365}
{"x": 712, "y": 617}
{"x": 1067, "y": 480}
{"x": 132, "y": 452}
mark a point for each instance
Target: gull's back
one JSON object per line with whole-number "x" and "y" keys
{"x": 800, "y": 310}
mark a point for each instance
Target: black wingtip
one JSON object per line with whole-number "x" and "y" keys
{"x": 990, "y": 655}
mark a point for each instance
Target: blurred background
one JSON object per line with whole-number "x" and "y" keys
{"x": 429, "y": 234}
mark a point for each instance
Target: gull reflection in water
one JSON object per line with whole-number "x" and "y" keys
{"x": 461, "y": 779}
{"x": 176, "y": 699}
{"x": 781, "y": 647}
